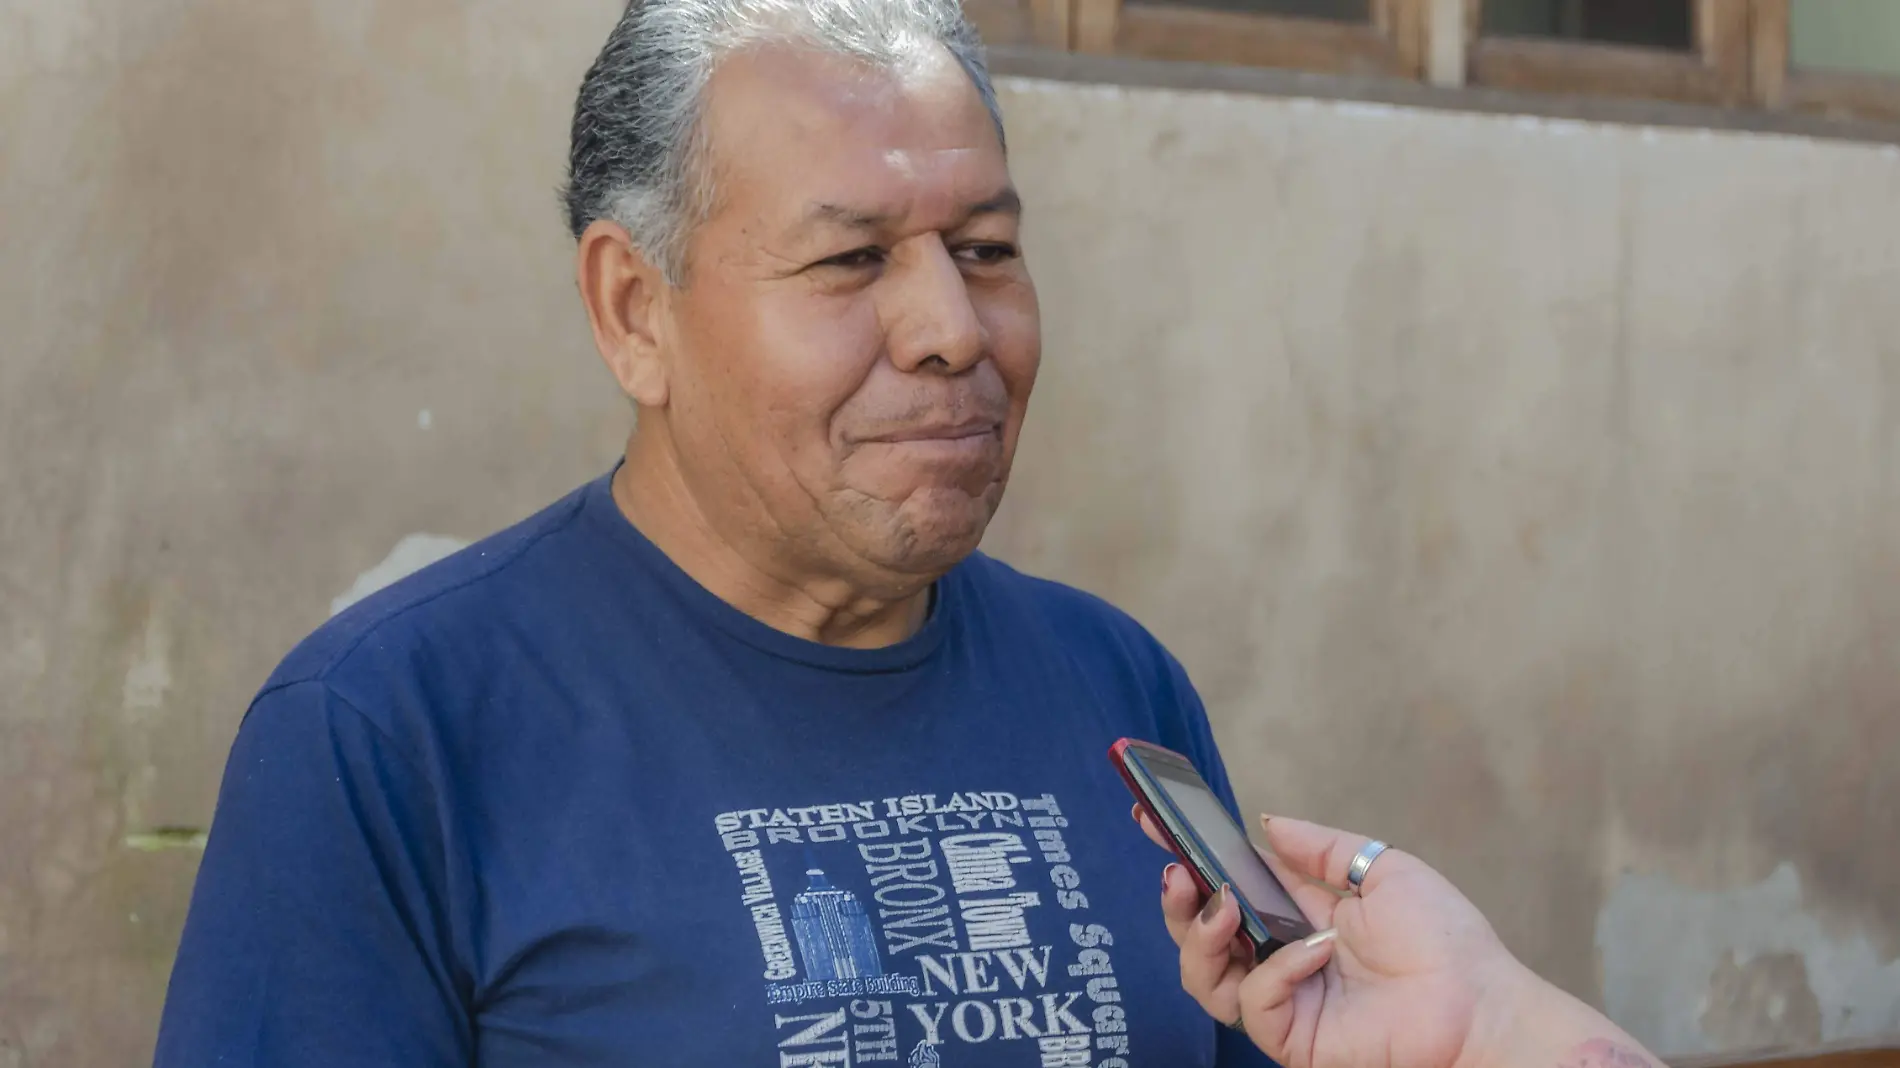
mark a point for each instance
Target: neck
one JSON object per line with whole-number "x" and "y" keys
{"x": 652, "y": 493}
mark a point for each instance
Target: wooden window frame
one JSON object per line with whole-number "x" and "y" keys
{"x": 1779, "y": 86}
{"x": 1715, "y": 70}
{"x": 1389, "y": 44}
{"x": 1740, "y": 59}
{"x": 1021, "y": 23}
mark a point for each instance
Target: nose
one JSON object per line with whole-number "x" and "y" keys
{"x": 931, "y": 324}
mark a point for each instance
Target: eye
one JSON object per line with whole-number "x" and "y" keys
{"x": 869, "y": 256}
{"x": 988, "y": 253}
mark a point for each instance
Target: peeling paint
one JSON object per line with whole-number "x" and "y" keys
{"x": 1692, "y": 971}
{"x": 412, "y": 553}
{"x": 150, "y": 676}
{"x": 1765, "y": 1001}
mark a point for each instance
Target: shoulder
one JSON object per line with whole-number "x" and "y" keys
{"x": 1091, "y": 629}
{"x": 461, "y": 602}
{"x": 1135, "y": 679}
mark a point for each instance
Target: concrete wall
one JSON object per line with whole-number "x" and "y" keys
{"x": 1525, "y": 492}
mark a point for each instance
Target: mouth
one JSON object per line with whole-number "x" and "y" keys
{"x": 948, "y": 433}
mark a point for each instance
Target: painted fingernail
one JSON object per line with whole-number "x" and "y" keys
{"x": 1214, "y": 905}
{"x": 1320, "y": 938}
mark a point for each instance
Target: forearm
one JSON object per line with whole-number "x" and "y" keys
{"x": 1540, "y": 1026}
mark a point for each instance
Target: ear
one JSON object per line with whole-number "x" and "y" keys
{"x": 625, "y": 299}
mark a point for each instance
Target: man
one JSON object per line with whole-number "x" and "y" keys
{"x": 740, "y": 755}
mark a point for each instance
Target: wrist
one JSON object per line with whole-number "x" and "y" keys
{"x": 1525, "y": 1022}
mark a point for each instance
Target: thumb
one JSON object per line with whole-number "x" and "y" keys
{"x": 1321, "y": 854}
{"x": 1266, "y": 995}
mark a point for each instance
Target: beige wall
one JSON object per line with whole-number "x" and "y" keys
{"x": 1526, "y": 492}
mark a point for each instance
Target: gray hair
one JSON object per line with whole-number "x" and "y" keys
{"x": 635, "y": 153}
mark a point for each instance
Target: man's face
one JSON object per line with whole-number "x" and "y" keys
{"x": 852, "y": 352}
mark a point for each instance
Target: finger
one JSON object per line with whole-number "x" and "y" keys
{"x": 1325, "y": 854}
{"x": 1154, "y": 833}
{"x": 1209, "y": 972}
{"x": 1267, "y": 996}
{"x": 1180, "y": 900}
{"x": 1316, "y": 902}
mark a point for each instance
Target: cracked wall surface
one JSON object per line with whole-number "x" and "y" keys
{"x": 1525, "y": 492}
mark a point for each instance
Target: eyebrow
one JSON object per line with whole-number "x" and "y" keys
{"x": 1006, "y": 202}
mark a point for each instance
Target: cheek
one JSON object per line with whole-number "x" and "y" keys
{"x": 1014, "y": 323}
{"x": 807, "y": 356}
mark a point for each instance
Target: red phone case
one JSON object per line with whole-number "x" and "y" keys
{"x": 1118, "y": 755}
{"x": 1256, "y": 929}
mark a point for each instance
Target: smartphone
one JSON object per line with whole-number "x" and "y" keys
{"x": 1209, "y": 843}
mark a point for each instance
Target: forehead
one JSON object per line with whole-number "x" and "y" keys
{"x": 788, "y": 128}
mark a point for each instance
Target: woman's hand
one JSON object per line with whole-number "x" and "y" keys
{"x": 1405, "y": 973}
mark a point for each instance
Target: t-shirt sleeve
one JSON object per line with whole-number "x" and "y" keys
{"x": 1185, "y": 729}
{"x": 317, "y": 934}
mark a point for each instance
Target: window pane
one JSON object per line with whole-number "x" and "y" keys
{"x": 1340, "y": 10}
{"x": 1650, "y": 23}
{"x": 1852, "y": 35}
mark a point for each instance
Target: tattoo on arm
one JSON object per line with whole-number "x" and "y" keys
{"x": 1603, "y": 1053}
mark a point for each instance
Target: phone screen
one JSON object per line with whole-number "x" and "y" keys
{"x": 1227, "y": 842}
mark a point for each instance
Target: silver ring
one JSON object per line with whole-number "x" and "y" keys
{"x": 1362, "y": 863}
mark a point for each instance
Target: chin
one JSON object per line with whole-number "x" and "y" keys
{"x": 933, "y": 535}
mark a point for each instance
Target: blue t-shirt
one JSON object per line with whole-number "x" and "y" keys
{"x": 551, "y": 803}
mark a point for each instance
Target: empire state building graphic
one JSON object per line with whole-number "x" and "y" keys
{"x": 834, "y": 934}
